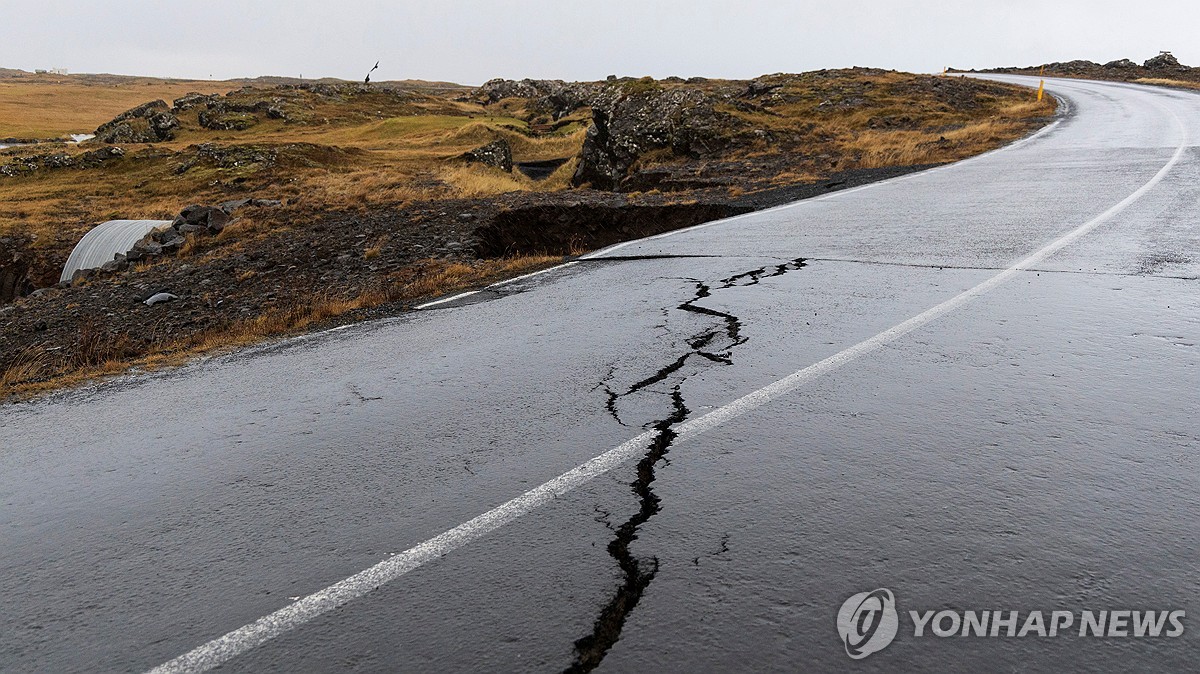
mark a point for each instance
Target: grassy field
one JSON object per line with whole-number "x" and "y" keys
{"x": 385, "y": 162}
{"x": 55, "y": 106}
{"x": 40, "y": 106}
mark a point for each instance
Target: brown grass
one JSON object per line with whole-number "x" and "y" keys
{"x": 373, "y": 252}
{"x": 792, "y": 177}
{"x": 58, "y": 206}
{"x": 876, "y": 148}
{"x": 889, "y": 123}
{"x": 97, "y": 354}
{"x": 51, "y": 107}
{"x": 481, "y": 181}
{"x": 1164, "y": 82}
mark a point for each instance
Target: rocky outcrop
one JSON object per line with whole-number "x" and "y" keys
{"x": 555, "y": 98}
{"x": 1076, "y": 67}
{"x": 234, "y": 204}
{"x": 14, "y": 269}
{"x": 219, "y": 117}
{"x": 1164, "y": 61}
{"x": 627, "y": 126}
{"x": 232, "y": 156}
{"x": 57, "y": 160}
{"x": 151, "y": 122}
{"x": 494, "y": 91}
{"x": 1164, "y": 66}
{"x": 497, "y": 154}
{"x": 94, "y": 158}
{"x": 246, "y": 107}
{"x": 18, "y": 166}
{"x": 192, "y": 100}
{"x": 206, "y": 219}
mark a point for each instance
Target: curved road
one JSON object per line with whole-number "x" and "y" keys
{"x": 974, "y": 386}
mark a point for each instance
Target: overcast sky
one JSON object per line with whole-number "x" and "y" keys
{"x": 470, "y": 42}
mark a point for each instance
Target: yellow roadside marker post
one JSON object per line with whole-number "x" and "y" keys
{"x": 1041, "y": 90}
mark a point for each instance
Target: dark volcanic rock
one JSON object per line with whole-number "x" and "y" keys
{"x": 1165, "y": 65}
{"x": 1076, "y": 67}
{"x": 14, "y": 269}
{"x": 97, "y": 157}
{"x": 233, "y": 156}
{"x": 1164, "y": 61}
{"x": 499, "y": 89}
{"x": 230, "y": 206}
{"x": 552, "y": 97}
{"x": 192, "y": 100}
{"x": 150, "y": 122}
{"x": 219, "y": 117}
{"x": 627, "y": 126}
{"x": 210, "y": 219}
{"x": 496, "y": 153}
{"x": 58, "y": 160}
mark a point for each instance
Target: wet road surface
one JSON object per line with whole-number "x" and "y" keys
{"x": 1017, "y": 433}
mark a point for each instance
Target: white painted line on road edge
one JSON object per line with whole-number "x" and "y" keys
{"x": 497, "y": 284}
{"x": 446, "y": 299}
{"x": 539, "y": 272}
{"x": 229, "y": 646}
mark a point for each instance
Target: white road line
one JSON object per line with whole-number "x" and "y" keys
{"x": 229, "y": 646}
{"x": 446, "y": 299}
{"x": 497, "y": 284}
{"x": 522, "y": 277}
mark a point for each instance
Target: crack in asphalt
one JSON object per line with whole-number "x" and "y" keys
{"x": 638, "y": 573}
{"x": 698, "y": 342}
{"x": 591, "y": 649}
{"x": 759, "y": 274}
{"x": 724, "y": 542}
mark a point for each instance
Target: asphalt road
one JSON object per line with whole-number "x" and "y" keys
{"x": 975, "y": 387}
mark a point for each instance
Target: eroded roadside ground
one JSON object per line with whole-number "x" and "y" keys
{"x": 391, "y": 196}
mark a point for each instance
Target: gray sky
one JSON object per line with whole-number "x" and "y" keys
{"x": 470, "y": 42}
